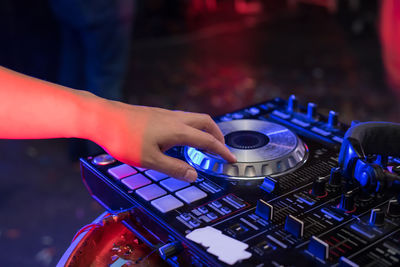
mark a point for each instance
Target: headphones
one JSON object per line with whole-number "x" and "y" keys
{"x": 380, "y": 139}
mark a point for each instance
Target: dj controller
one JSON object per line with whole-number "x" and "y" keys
{"x": 297, "y": 196}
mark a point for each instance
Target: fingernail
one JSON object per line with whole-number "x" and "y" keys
{"x": 234, "y": 157}
{"x": 190, "y": 175}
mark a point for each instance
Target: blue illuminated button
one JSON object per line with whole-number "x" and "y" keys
{"x": 172, "y": 184}
{"x": 333, "y": 214}
{"x": 226, "y": 210}
{"x": 185, "y": 216}
{"x": 254, "y": 111}
{"x": 135, "y": 181}
{"x": 155, "y": 175}
{"x": 191, "y": 194}
{"x": 140, "y": 169}
{"x": 194, "y": 223}
{"x": 203, "y": 209}
{"x": 212, "y": 215}
{"x": 166, "y": 203}
{"x": 122, "y": 171}
{"x": 320, "y": 131}
{"x": 318, "y": 248}
{"x": 345, "y": 262}
{"x": 216, "y": 204}
{"x": 150, "y": 192}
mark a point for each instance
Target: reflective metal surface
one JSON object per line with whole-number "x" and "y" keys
{"x": 262, "y": 149}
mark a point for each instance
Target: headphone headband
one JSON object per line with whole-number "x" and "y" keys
{"x": 382, "y": 138}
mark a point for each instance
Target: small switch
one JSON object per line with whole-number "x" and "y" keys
{"x": 294, "y": 226}
{"x": 318, "y": 248}
{"x": 265, "y": 210}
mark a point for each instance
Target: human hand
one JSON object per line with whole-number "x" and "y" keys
{"x": 139, "y": 136}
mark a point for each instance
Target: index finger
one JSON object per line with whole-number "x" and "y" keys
{"x": 202, "y": 140}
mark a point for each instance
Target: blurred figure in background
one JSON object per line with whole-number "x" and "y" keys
{"x": 390, "y": 42}
{"x": 95, "y": 41}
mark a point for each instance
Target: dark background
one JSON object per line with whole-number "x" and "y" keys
{"x": 212, "y": 61}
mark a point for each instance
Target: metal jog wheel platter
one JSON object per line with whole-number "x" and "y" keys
{"x": 262, "y": 149}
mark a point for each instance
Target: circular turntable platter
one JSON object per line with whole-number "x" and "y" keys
{"x": 262, "y": 149}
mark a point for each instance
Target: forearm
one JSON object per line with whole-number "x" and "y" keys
{"x": 32, "y": 109}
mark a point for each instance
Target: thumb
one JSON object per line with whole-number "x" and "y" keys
{"x": 176, "y": 168}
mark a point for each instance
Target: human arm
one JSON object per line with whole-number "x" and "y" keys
{"x": 31, "y": 109}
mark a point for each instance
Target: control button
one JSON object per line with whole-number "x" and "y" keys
{"x": 303, "y": 198}
{"x": 237, "y": 115}
{"x": 253, "y": 111}
{"x": 103, "y": 159}
{"x": 377, "y": 217}
{"x": 205, "y": 218}
{"x": 135, "y": 181}
{"x": 393, "y": 209}
{"x": 332, "y": 119}
{"x": 235, "y": 201}
{"x": 122, "y": 171}
{"x": 211, "y": 186}
{"x": 300, "y": 123}
{"x": 292, "y": 104}
{"x": 196, "y": 212}
{"x": 212, "y": 215}
{"x": 150, "y": 192}
{"x": 347, "y": 202}
{"x": 170, "y": 249}
{"x": 194, "y": 223}
{"x": 216, "y": 204}
{"x": 337, "y": 139}
{"x": 270, "y": 184}
{"x": 191, "y": 194}
{"x": 318, "y": 187}
{"x": 318, "y": 248}
{"x": 345, "y": 262}
{"x": 281, "y": 114}
{"x": 140, "y": 169}
{"x": 333, "y": 214}
{"x": 335, "y": 180}
{"x": 155, "y": 175}
{"x": 166, "y": 203}
{"x": 172, "y": 184}
{"x": 294, "y": 226}
{"x": 311, "y": 111}
{"x": 185, "y": 216}
{"x": 365, "y": 231}
{"x": 226, "y": 210}
{"x": 265, "y": 210}
{"x": 203, "y": 209}
{"x": 320, "y": 131}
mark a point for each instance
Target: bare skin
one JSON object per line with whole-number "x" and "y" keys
{"x": 34, "y": 109}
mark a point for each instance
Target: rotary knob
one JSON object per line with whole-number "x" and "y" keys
{"x": 377, "y": 217}
{"x": 318, "y": 188}
{"x": 393, "y": 209}
{"x": 347, "y": 202}
{"x": 292, "y": 104}
{"x": 311, "y": 111}
{"x": 335, "y": 180}
{"x": 332, "y": 119}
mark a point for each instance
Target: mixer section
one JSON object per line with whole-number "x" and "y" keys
{"x": 285, "y": 202}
